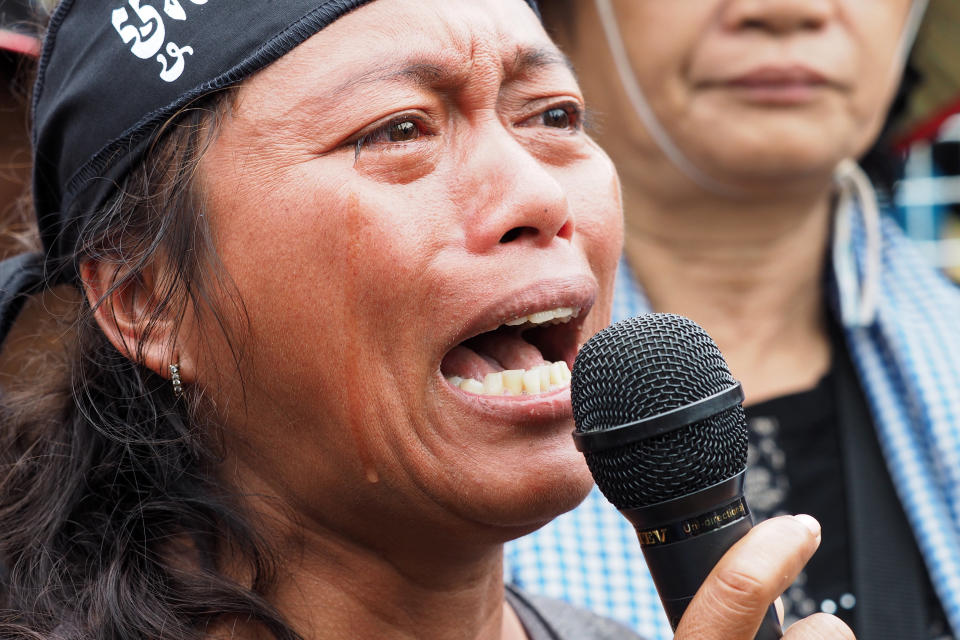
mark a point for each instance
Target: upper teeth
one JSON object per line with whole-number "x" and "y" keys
{"x": 553, "y": 316}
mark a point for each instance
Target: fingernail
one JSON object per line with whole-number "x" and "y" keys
{"x": 810, "y": 523}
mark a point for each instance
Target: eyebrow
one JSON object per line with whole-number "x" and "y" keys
{"x": 525, "y": 61}
{"x": 530, "y": 59}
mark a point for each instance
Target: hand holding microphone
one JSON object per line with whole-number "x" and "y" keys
{"x": 737, "y": 593}
{"x": 659, "y": 421}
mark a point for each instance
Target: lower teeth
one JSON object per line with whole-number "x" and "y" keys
{"x": 516, "y": 382}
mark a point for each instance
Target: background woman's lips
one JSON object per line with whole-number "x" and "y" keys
{"x": 777, "y": 85}
{"x": 779, "y": 75}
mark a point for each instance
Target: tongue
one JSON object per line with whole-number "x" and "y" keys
{"x": 508, "y": 349}
{"x": 467, "y": 363}
{"x": 489, "y": 353}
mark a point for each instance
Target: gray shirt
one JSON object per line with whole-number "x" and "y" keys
{"x": 548, "y": 619}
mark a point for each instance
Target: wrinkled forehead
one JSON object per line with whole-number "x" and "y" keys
{"x": 446, "y": 44}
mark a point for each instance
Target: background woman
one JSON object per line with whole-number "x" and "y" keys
{"x": 293, "y": 226}
{"x": 733, "y": 124}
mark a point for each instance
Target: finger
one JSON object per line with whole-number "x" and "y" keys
{"x": 821, "y": 626}
{"x": 735, "y": 596}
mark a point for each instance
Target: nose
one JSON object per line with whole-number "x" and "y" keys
{"x": 779, "y": 16}
{"x": 509, "y": 196}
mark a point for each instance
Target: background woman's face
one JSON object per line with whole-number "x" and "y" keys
{"x": 412, "y": 176}
{"x": 758, "y": 86}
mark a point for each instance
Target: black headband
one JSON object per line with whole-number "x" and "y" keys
{"x": 112, "y": 72}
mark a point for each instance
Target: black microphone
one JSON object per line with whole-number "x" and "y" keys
{"x": 659, "y": 421}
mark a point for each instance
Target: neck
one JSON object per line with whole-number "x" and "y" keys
{"x": 333, "y": 585}
{"x": 336, "y": 591}
{"x": 749, "y": 270}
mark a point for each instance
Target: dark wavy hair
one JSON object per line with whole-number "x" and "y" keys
{"x": 113, "y": 523}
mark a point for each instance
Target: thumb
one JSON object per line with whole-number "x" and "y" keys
{"x": 734, "y": 598}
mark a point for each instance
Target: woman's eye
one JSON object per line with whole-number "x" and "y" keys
{"x": 403, "y": 131}
{"x": 567, "y": 117}
{"x": 394, "y": 132}
{"x": 399, "y": 130}
{"x": 557, "y": 118}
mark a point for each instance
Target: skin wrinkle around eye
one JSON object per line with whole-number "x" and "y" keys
{"x": 440, "y": 74}
{"x": 436, "y": 108}
{"x": 568, "y": 115}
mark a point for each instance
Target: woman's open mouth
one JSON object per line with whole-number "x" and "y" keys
{"x": 526, "y": 355}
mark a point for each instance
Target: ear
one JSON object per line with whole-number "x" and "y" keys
{"x": 124, "y": 306}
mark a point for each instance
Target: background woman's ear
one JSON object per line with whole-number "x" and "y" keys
{"x": 125, "y": 306}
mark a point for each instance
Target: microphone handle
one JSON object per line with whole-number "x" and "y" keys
{"x": 684, "y": 538}
{"x": 680, "y": 568}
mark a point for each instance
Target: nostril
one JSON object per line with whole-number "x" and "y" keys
{"x": 516, "y": 233}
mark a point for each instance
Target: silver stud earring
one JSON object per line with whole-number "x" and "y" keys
{"x": 175, "y": 380}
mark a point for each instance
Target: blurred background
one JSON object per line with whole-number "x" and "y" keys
{"x": 924, "y": 140}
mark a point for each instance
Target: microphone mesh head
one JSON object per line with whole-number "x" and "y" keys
{"x": 642, "y": 367}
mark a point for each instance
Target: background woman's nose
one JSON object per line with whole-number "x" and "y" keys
{"x": 513, "y": 197}
{"x": 778, "y": 16}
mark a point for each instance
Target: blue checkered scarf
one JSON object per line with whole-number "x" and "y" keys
{"x": 907, "y": 354}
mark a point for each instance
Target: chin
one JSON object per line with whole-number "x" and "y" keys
{"x": 774, "y": 147}
{"x": 525, "y": 504}
{"x": 781, "y": 165}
